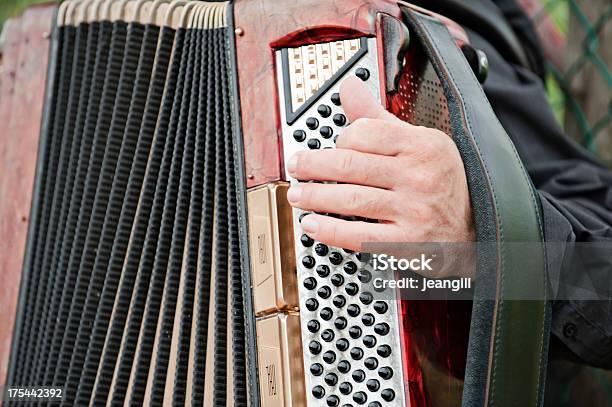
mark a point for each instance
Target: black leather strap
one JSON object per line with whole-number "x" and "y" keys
{"x": 508, "y": 336}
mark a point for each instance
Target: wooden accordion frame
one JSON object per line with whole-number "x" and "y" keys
{"x": 164, "y": 264}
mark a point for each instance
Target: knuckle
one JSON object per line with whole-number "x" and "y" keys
{"x": 360, "y": 124}
{"x": 345, "y": 165}
{"x": 354, "y": 130}
{"x": 353, "y": 201}
{"x": 370, "y": 237}
{"x": 332, "y": 232}
{"x": 374, "y": 207}
{"x": 425, "y": 181}
{"x": 308, "y": 194}
{"x": 299, "y": 163}
{"x": 440, "y": 140}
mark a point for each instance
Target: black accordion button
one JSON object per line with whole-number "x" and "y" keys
{"x": 340, "y": 323}
{"x": 339, "y": 119}
{"x": 363, "y": 74}
{"x": 316, "y": 369}
{"x": 313, "y": 326}
{"x": 362, "y": 257}
{"x": 373, "y": 385}
{"x": 312, "y": 123}
{"x": 299, "y": 135}
{"x": 314, "y": 144}
{"x": 322, "y": 270}
{"x": 385, "y": 372}
{"x": 315, "y": 347}
{"x": 331, "y": 379}
{"x": 381, "y": 307}
{"x": 326, "y": 132}
{"x": 381, "y": 329}
{"x": 358, "y": 375}
{"x": 310, "y": 283}
{"x": 337, "y": 280}
{"x": 342, "y": 344}
{"x": 344, "y": 366}
{"x": 339, "y": 301}
{"x": 350, "y": 267}
{"x": 327, "y": 335}
{"x": 306, "y": 240}
{"x": 324, "y": 292}
{"x": 312, "y": 304}
{"x": 321, "y": 249}
{"x": 345, "y": 388}
{"x": 318, "y": 392}
{"x": 353, "y": 310}
{"x": 308, "y": 262}
{"x": 335, "y": 258}
{"x": 351, "y": 288}
{"x": 333, "y": 401}
{"x": 366, "y": 298}
{"x": 388, "y": 395}
{"x": 324, "y": 110}
{"x": 370, "y": 363}
{"x": 355, "y": 332}
{"x": 374, "y": 404}
{"x": 326, "y": 314}
{"x": 356, "y": 353}
{"x": 369, "y": 341}
{"x": 329, "y": 357}
{"x": 367, "y": 319}
{"x": 384, "y": 351}
{"x": 360, "y": 397}
{"x": 365, "y": 276}
{"x": 302, "y": 216}
{"x": 335, "y": 98}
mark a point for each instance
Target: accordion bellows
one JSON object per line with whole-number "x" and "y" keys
{"x": 138, "y": 193}
{"x": 164, "y": 265}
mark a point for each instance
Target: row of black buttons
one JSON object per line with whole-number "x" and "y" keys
{"x": 341, "y": 323}
{"x": 312, "y": 123}
{"x": 359, "y": 397}
{"x": 335, "y": 258}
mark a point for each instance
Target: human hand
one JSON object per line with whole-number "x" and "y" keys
{"x": 409, "y": 178}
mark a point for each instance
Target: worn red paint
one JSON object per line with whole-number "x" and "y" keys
{"x": 22, "y": 84}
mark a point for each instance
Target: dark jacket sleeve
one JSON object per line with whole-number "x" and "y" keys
{"x": 575, "y": 193}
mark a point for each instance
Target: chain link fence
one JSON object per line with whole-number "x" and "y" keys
{"x": 576, "y": 36}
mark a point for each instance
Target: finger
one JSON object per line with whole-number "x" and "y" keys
{"x": 359, "y": 102}
{"x": 344, "y": 199}
{"x": 346, "y": 166}
{"x": 377, "y": 137}
{"x": 347, "y": 234}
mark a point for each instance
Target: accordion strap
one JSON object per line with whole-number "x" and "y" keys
{"x": 509, "y": 328}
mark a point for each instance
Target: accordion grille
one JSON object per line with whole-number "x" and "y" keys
{"x": 135, "y": 216}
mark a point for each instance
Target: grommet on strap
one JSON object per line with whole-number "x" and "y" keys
{"x": 478, "y": 61}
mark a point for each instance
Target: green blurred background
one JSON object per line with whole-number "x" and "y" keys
{"x": 10, "y": 8}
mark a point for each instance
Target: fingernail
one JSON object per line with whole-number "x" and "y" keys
{"x": 309, "y": 224}
{"x": 292, "y": 164}
{"x": 294, "y": 194}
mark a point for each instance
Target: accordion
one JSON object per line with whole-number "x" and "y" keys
{"x": 164, "y": 264}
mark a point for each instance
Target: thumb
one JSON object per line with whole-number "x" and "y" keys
{"x": 358, "y": 101}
